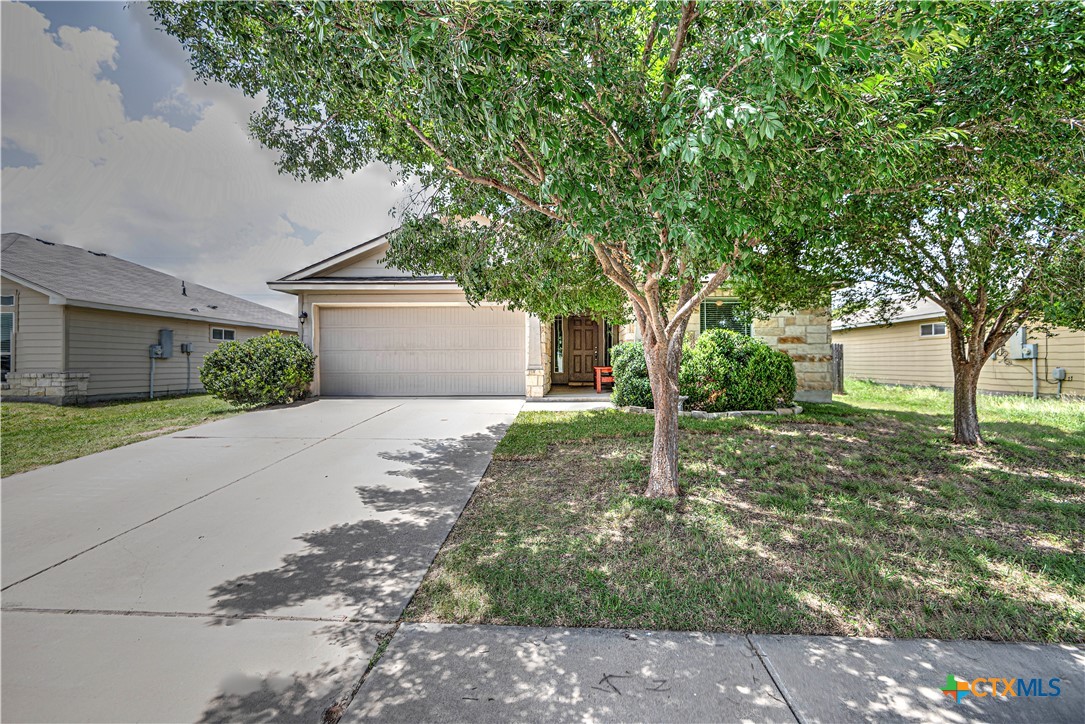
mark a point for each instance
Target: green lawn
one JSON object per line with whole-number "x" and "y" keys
{"x": 32, "y": 434}
{"x": 857, "y": 518}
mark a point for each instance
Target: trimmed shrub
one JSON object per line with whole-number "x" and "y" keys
{"x": 631, "y": 385}
{"x": 266, "y": 370}
{"x": 725, "y": 370}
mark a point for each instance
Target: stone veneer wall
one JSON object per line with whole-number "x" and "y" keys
{"x": 806, "y": 336}
{"x": 538, "y": 376}
{"x": 57, "y": 388}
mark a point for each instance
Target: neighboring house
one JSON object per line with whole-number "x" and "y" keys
{"x": 378, "y": 331}
{"x": 78, "y": 325}
{"x": 914, "y": 350}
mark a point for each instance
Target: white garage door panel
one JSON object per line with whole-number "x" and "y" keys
{"x": 425, "y": 351}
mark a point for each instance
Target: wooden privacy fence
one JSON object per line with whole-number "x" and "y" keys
{"x": 838, "y": 369}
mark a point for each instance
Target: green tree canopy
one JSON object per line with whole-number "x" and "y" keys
{"x": 668, "y": 141}
{"x": 992, "y": 227}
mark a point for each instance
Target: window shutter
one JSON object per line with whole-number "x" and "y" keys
{"x": 721, "y": 314}
{"x": 7, "y": 320}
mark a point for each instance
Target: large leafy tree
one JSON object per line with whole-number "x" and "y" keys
{"x": 993, "y": 258}
{"x": 992, "y": 228}
{"x": 641, "y": 149}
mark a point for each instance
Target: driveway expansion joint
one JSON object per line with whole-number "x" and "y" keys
{"x": 777, "y": 680}
{"x": 193, "y": 614}
{"x": 317, "y": 441}
{"x": 160, "y": 515}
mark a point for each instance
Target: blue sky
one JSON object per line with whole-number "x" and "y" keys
{"x": 109, "y": 144}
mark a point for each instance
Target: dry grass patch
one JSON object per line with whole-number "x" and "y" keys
{"x": 854, "y": 519}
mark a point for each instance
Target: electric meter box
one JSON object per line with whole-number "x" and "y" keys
{"x": 1018, "y": 345}
{"x": 165, "y": 341}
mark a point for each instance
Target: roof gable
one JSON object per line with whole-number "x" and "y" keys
{"x": 345, "y": 258}
{"x": 360, "y": 265}
{"x": 368, "y": 263}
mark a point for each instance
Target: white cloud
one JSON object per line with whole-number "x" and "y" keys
{"x": 205, "y": 203}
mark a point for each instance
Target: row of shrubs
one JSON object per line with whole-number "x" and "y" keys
{"x": 721, "y": 371}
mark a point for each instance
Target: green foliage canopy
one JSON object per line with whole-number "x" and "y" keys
{"x": 664, "y": 139}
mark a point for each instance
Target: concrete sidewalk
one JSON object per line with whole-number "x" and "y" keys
{"x": 438, "y": 672}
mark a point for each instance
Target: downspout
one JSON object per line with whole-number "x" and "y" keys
{"x": 188, "y": 373}
{"x": 1035, "y": 380}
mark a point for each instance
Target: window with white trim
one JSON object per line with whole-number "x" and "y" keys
{"x": 221, "y": 334}
{"x": 723, "y": 314}
{"x": 933, "y": 329}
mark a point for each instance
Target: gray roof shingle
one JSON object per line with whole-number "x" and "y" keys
{"x": 88, "y": 278}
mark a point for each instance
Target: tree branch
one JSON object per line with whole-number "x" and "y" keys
{"x": 598, "y": 117}
{"x": 649, "y": 44}
{"x": 483, "y": 180}
{"x": 689, "y": 14}
{"x": 710, "y": 286}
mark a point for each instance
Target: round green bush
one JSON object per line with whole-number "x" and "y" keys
{"x": 631, "y": 385}
{"x": 725, "y": 370}
{"x": 267, "y": 370}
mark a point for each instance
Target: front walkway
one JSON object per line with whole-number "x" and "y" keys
{"x": 569, "y": 393}
{"x": 435, "y": 672}
{"x": 238, "y": 571}
{"x": 564, "y": 398}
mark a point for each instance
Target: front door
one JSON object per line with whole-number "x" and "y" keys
{"x": 583, "y": 348}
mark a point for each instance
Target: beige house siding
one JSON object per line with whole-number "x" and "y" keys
{"x": 898, "y": 355}
{"x": 369, "y": 265}
{"x": 38, "y": 343}
{"x": 113, "y": 348}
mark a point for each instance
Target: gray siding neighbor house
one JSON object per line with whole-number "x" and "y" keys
{"x": 77, "y": 325}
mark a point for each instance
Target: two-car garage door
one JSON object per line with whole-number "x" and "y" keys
{"x": 420, "y": 351}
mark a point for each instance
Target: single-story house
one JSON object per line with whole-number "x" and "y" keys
{"x": 913, "y": 349}
{"x": 379, "y": 331}
{"x": 79, "y": 325}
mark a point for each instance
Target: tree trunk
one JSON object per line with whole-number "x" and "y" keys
{"x": 663, "y": 361}
{"x": 965, "y": 352}
{"x": 966, "y": 422}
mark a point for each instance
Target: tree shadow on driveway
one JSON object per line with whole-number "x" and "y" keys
{"x": 371, "y": 566}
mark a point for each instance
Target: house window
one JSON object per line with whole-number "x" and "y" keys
{"x": 934, "y": 329}
{"x": 7, "y": 329}
{"x": 723, "y": 314}
{"x": 7, "y": 300}
{"x": 220, "y": 334}
{"x": 559, "y": 346}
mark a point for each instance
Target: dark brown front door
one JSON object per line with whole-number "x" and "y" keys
{"x": 583, "y": 348}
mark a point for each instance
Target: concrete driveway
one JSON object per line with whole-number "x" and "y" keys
{"x": 237, "y": 571}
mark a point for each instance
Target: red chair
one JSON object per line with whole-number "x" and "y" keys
{"x": 603, "y": 376}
